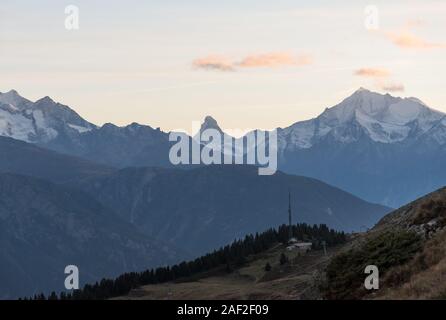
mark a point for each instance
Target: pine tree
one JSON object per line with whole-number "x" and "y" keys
{"x": 268, "y": 267}
{"x": 283, "y": 259}
{"x": 53, "y": 296}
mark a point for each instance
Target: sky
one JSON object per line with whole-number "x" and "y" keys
{"x": 249, "y": 64}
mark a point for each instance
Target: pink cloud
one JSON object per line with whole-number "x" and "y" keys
{"x": 213, "y": 63}
{"x": 380, "y": 75}
{"x": 393, "y": 87}
{"x": 372, "y": 72}
{"x": 407, "y": 40}
{"x": 267, "y": 60}
{"x": 275, "y": 59}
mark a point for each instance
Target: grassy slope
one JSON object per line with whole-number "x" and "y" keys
{"x": 424, "y": 277}
{"x": 294, "y": 280}
{"x": 412, "y": 267}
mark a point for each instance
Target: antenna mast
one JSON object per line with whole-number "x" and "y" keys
{"x": 290, "y": 227}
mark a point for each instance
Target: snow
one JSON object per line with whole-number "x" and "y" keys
{"x": 300, "y": 135}
{"x": 22, "y": 126}
{"x": 15, "y": 126}
{"x": 402, "y": 112}
{"x": 368, "y": 102}
{"x": 39, "y": 119}
{"x": 385, "y": 119}
{"x": 80, "y": 129}
{"x": 43, "y": 127}
{"x": 12, "y": 98}
{"x": 12, "y": 107}
{"x": 382, "y": 131}
{"x": 24, "y": 120}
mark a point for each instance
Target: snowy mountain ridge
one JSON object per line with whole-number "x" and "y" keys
{"x": 382, "y": 118}
{"x": 40, "y": 121}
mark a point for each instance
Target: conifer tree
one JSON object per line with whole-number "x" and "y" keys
{"x": 283, "y": 259}
{"x": 267, "y": 267}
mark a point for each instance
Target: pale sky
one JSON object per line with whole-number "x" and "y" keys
{"x": 249, "y": 64}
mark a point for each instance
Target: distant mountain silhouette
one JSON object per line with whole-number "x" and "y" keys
{"x": 28, "y": 159}
{"x": 203, "y": 208}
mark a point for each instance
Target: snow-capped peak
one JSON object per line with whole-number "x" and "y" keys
{"x": 39, "y": 121}
{"x": 382, "y": 117}
{"x": 383, "y": 108}
{"x": 14, "y": 99}
{"x": 365, "y": 101}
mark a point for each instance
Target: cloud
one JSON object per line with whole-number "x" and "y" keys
{"x": 273, "y": 60}
{"x": 266, "y": 60}
{"x": 372, "y": 72}
{"x": 213, "y": 63}
{"x": 407, "y": 40}
{"x": 380, "y": 76}
{"x": 393, "y": 87}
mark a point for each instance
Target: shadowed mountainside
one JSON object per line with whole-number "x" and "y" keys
{"x": 206, "y": 207}
{"x": 45, "y": 227}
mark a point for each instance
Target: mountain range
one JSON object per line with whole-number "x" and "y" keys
{"x": 57, "y": 127}
{"x": 384, "y": 149}
{"x": 68, "y": 184}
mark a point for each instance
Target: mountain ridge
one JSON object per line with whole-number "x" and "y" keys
{"x": 364, "y": 100}
{"x": 392, "y": 114}
{"x": 368, "y": 137}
